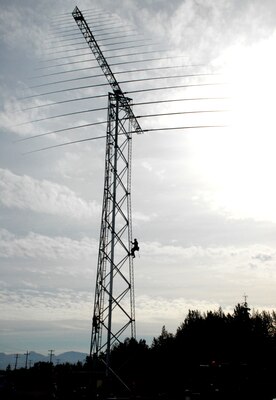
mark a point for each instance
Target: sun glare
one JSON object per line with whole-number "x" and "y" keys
{"x": 239, "y": 164}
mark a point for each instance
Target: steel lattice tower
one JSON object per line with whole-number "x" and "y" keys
{"x": 114, "y": 280}
{"x": 114, "y": 303}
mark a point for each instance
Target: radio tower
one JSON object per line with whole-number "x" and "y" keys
{"x": 114, "y": 303}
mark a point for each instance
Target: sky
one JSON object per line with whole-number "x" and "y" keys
{"x": 203, "y": 199}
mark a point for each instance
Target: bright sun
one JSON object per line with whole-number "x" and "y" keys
{"x": 240, "y": 164}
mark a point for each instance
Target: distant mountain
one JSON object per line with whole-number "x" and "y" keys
{"x": 71, "y": 357}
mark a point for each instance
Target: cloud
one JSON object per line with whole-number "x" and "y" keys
{"x": 27, "y": 193}
{"x": 209, "y": 262}
{"x": 13, "y": 117}
{"x": 264, "y": 257}
{"x": 38, "y": 304}
{"x": 37, "y": 263}
{"x": 205, "y": 28}
{"x": 47, "y": 248}
{"x": 160, "y": 309}
{"x": 220, "y": 274}
{"x": 139, "y": 217}
{"x": 15, "y": 22}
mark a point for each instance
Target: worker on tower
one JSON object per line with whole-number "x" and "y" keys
{"x": 134, "y": 248}
{"x": 95, "y": 323}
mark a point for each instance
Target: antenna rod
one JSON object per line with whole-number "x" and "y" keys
{"x": 82, "y": 24}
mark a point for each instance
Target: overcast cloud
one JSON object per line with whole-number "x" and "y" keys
{"x": 203, "y": 199}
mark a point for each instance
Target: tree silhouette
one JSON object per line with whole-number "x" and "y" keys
{"x": 216, "y": 355}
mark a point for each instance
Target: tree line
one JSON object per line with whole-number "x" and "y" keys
{"x": 212, "y": 355}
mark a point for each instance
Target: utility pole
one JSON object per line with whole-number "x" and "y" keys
{"x": 16, "y": 360}
{"x": 51, "y": 354}
{"x": 26, "y": 359}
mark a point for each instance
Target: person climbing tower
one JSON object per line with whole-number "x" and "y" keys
{"x": 134, "y": 248}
